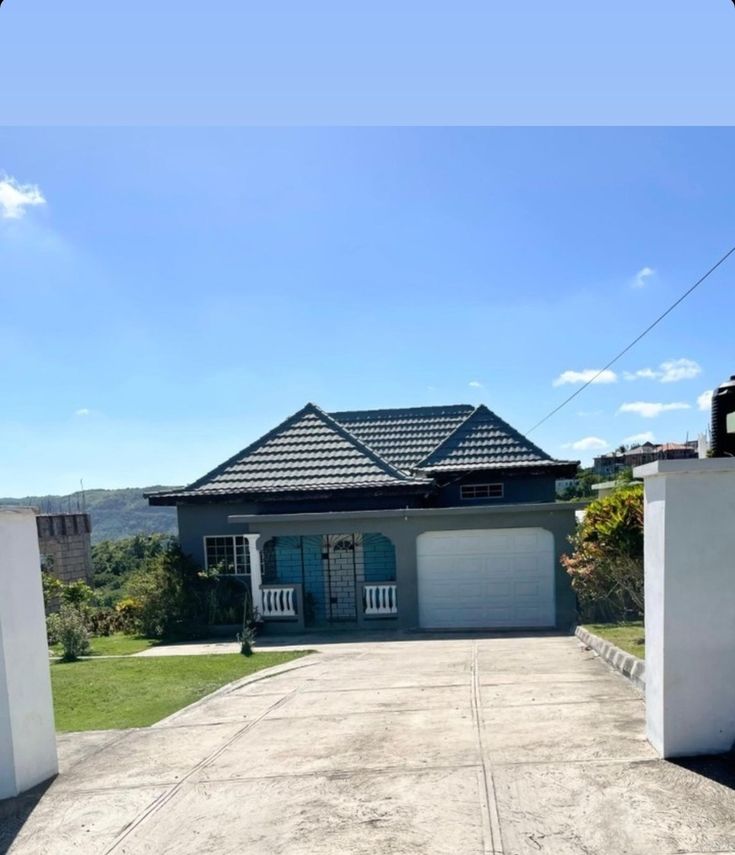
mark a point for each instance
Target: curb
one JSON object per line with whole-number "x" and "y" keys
{"x": 264, "y": 674}
{"x": 631, "y": 667}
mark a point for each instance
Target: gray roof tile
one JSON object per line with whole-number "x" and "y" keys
{"x": 397, "y": 448}
{"x": 485, "y": 441}
{"x": 404, "y": 436}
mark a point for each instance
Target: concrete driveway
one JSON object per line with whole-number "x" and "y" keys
{"x": 455, "y": 745}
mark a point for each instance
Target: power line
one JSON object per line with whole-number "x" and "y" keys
{"x": 637, "y": 339}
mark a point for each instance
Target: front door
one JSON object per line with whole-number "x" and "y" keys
{"x": 343, "y": 570}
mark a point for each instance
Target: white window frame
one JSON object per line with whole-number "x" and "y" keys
{"x": 233, "y": 538}
{"x": 494, "y": 485}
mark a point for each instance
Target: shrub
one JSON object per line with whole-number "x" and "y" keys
{"x": 52, "y": 590}
{"x": 606, "y": 565}
{"x": 77, "y": 593}
{"x": 103, "y": 621}
{"x": 128, "y": 610}
{"x": 68, "y": 628}
{"x": 167, "y": 590}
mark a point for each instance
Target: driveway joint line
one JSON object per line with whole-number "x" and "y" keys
{"x": 165, "y": 797}
{"x": 489, "y": 808}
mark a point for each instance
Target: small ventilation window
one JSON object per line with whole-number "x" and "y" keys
{"x": 482, "y": 491}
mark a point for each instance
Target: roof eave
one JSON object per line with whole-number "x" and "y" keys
{"x": 194, "y": 498}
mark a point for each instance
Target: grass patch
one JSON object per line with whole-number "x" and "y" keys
{"x": 117, "y": 644}
{"x": 118, "y": 693}
{"x": 627, "y": 635}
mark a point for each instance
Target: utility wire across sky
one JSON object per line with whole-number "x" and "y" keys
{"x": 635, "y": 341}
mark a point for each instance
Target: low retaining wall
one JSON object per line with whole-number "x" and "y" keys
{"x": 629, "y": 666}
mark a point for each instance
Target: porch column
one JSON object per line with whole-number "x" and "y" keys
{"x": 256, "y": 579}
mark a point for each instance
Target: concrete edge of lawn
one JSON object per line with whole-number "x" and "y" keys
{"x": 310, "y": 659}
{"x": 631, "y": 667}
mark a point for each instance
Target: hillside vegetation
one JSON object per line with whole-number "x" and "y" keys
{"x": 115, "y": 513}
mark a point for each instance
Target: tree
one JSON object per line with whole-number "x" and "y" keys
{"x": 606, "y": 565}
{"x": 115, "y": 561}
{"x": 168, "y": 592}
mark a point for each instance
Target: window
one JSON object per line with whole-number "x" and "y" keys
{"x": 482, "y": 491}
{"x": 229, "y": 554}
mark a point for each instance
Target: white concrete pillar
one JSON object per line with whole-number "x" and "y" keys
{"x": 27, "y": 737}
{"x": 690, "y": 605}
{"x": 256, "y": 579}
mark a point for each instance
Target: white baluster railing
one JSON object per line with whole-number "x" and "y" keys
{"x": 278, "y": 602}
{"x": 380, "y": 599}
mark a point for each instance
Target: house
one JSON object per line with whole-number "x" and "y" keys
{"x": 433, "y": 517}
{"x": 563, "y": 484}
{"x": 615, "y": 461}
{"x": 607, "y": 488}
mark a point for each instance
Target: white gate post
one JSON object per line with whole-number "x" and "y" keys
{"x": 255, "y": 573}
{"x": 690, "y": 605}
{"x": 27, "y": 737}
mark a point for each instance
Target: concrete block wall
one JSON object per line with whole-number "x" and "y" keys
{"x": 64, "y": 541}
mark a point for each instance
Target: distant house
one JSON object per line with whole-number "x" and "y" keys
{"x": 434, "y": 517}
{"x": 615, "y": 461}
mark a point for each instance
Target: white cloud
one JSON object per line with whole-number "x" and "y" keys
{"x": 704, "y": 401}
{"x": 475, "y": 384}
{"x": 641, "y": 374}
{"x": 670, "y": 371}
{"x": 638, "y": 438}
{"x": 16, "y": 197}
{"x": 83, "y": 412}
{"x": 588, "y": 443}
{"x": 679, "y": 369}
{"x": 649, "y": 410}
{"x": 585, "y": 376}
{"x": 642, "y": 276}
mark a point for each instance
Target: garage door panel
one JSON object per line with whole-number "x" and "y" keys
{"x": 486, "y": 578}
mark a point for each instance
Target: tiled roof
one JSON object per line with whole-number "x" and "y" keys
{"x": 309, "y": 451}
{"x": 485, "y": 441}
{"x": 406, "y": 436}
{"x": 398, "y": 449}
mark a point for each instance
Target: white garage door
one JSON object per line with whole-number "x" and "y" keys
{"x": 486, "y": 578}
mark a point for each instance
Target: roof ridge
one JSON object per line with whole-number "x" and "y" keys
{"x": 402, "y": 409}
{"x": 505, "y": 426}
{"x": 516, "y": 433}
{"x": 447, "y": 437}
{"x": 252, "y": 447}
{"x": 332, "y": 422}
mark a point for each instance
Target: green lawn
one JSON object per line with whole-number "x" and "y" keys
{"x": 117, "y": 644}
{"x": 627, "y": 635}
{"x": 117, "y": 693}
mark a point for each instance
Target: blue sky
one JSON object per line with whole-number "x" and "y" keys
{"x": 173, "y": 293}
{"x": 414, "y": 62}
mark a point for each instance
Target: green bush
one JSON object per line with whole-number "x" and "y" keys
{"x": 606, "y": 565}
{"x": 168, "y": 591}
{"x": 77, "y": 593}
{"x": 68, "y": 628}
{"x": 52, "y": 591}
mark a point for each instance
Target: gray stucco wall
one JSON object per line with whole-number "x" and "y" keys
{"x": 516, "y": 488}
{"x": 403, "y": 529}
{"x": 196, "y": 521}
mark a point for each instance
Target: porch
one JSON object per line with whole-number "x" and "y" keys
{"x": 335, "y": 580}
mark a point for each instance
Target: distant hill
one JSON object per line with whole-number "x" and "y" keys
{"x": 115, "y": 513}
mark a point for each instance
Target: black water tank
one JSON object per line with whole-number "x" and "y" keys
{"x": 723, "y": 419}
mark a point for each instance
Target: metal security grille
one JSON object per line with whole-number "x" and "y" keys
{"x": 341, "y": 554}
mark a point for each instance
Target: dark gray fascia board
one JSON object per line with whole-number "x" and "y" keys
{"x": 406, "y": 513}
